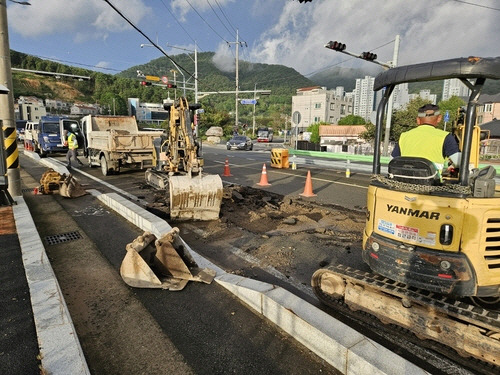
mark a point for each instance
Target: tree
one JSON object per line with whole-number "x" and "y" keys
{"x": 352, "y": 120}
{"x": 451, "y": 105}
{"x": 314, "y": 129}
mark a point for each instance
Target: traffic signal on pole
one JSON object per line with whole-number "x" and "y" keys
{"x": 145, "y": 83}
{"x": 336, "y": 46}
{"x": 170, "y": 86}
{"x": 369, "y": 56}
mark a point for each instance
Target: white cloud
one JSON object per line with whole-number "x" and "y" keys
{"x": 224, "y": 59}
{"x": 443, "y": 30}
{"x": 87, "y": 19}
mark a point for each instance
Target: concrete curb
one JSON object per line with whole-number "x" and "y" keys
{"x": 60, "y": 349}
{"x": 341, "y": 346}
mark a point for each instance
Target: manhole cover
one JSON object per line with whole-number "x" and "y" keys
{"x": 61, "y": 238}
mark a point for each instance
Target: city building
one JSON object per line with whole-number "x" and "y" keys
{"x": 454, "y": 87}
{"x": 31, "y": 108}
{"x": 317, "y": 104}
{"x": 400, "y": 97}
{"x": 426, "y": 95}
{"x": 56, "y": 107}
{"x": 364, "y": 97}
{"x": 153, "y": 113}
{"x": 83, "y": 110}
{"x": 488, "y": 108}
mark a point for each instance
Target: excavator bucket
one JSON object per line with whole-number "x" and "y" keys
{"x": 164, "y": 263}
{"x": 70, "y": 187}
{"x": 195, "y": 198}
{"x": 67, "y": 186}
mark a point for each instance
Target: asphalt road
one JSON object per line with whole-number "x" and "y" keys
{"x": 212, "y": 330}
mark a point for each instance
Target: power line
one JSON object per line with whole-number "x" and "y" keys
{"x": 182, "y": 27}
{"x": 153, "y": 43}
{"x": 223, "y": 24}
{"x": 477, "y": 5}
{"x": 224, "y": 14}
{"x": 199, "y": 15}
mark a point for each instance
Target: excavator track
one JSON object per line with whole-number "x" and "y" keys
{"x": 470, "y": 330}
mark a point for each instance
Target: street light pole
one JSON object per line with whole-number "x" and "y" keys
{"x": 394, "y": 63}
{"x": 172, "y": 61}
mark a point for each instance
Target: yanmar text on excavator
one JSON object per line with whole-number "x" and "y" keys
{"x": 431, "y": 239}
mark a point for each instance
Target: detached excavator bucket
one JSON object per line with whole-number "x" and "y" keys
{"x": 195, "y": 198}
{"x": 166, "y": 265}
{"x": 70, "y": 187}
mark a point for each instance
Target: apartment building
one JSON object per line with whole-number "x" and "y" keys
{"x": 317, "y": 104}
{"x": 364, "y": 97}
{"x": 488, "y": 108}
{"x": 454, "y": 87}
{"x": 31, "y": 108}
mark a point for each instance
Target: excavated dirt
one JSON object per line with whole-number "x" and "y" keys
{"x": 293, "y": 235}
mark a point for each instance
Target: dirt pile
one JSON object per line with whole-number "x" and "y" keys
{"x": 293, "y": 235}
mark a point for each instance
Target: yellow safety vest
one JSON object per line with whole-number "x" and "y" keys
{"x": 72, "y": 142}
{"x": 424, "y": 141}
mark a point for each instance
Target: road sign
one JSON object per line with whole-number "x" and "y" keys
{"x": 447, "y": 116}
{"x": 296, "y": 117}
{"x": 164, "y": 79}
{"x": 152, "y": 78}
{"x": 248, "y": 101}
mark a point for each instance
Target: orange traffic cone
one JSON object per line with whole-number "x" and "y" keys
{"x": 227, "y": 172}
{"x": 308, "y": 188}
{"x": 263, "y": 177}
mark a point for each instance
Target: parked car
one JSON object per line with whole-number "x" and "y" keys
{"x": 239, "y": 142}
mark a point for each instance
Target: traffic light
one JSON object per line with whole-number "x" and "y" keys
{"x": 145, "y": 83}
{"x": 460, "y": 116}
{"x": 369, "y": 56}
{"x": 336, "y": 46}
{"x": 170, "y": 86}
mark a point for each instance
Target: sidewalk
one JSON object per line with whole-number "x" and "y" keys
{"x": 38, "y": 334}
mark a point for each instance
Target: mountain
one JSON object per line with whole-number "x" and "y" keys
{"x": 339, "y": 76}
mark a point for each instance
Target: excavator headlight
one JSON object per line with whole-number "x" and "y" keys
{"x": 375, "y": 246}
{"x": 446, "y": 234}
{"x": 445, "y": 265}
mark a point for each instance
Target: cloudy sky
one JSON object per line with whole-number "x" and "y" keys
{"x": 91, "y": 34}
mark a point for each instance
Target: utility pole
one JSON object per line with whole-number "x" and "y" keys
{"x": 255, "y": 101}
{"x": 237, "y": 83}
{"x": 7, "y": 109}
{"x": 394, "y": 63}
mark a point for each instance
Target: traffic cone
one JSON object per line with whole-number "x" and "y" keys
{"x": 263, "y": 177}
{"x": 348, "y": 169}
{"x": 308, "y": 188}
{"x": 227, "y": 172}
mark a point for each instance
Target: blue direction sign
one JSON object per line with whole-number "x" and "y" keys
{"x": 248, "y": 101}
{"x": 447, "y": 116}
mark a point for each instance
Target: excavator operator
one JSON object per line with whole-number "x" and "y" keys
{"x": 427, "y": 141}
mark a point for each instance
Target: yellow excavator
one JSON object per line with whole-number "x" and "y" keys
{"x": 177, "y": 165}
{"x": 432, "y": 242}
{"x": 165, "y": 262}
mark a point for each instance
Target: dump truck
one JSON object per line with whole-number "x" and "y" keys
{"x": 178, "y": 166}
{"x": 431, "y": 238}
{"x": 113, "y": 142}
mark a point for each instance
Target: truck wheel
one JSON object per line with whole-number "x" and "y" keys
{"x": 104, "y": 166}
{"x": 42, "y": 153}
